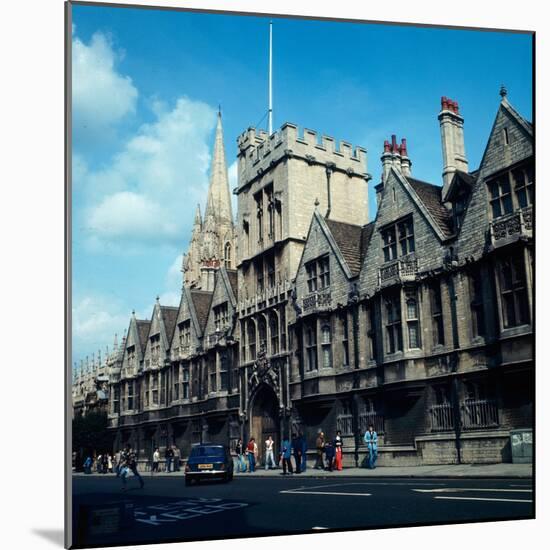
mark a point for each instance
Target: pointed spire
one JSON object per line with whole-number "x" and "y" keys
{"x": 198, "y": 218}
{"x": 219, "y": 198}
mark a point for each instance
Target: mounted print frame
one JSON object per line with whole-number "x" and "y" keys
{"x": 300, "y": 275}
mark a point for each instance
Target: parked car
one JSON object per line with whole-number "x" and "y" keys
{"x": 209, "y": 462}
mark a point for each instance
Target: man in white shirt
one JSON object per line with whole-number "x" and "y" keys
{"x": 269, "y": 457}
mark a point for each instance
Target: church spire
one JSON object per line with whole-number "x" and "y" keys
{"x": 218, "y": 204}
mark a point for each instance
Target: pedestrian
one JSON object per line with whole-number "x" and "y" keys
{"x": 110, "y": 463}
{"x": 339, "y": 450}
{"x": 269, "y": 458}
{"x": 297, "y": 452}
{"x": 239, "y": 451}
{"x": 156, "y": 460}
{"x": 88, "y": 465}
{"x": 104, "y": 463}
{"x": 168, "y": 457}
{"x": 129, "y": 464}
{"x": 118, "y": 455}
{"x": 286, "y": 452}
{"x": 320, "y": 446}
{"x": 329, "y": 455}
{"x": 252, "y": 454}
{"x": 371, "y": 440}
{"x": 177, "y": 458}
{"x": 98, "y": 463}
{"x": 303, "y": 441}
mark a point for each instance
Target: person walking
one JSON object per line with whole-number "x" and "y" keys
{"x": 239, "y": 451}
{"x": 156, "y": 460}
{"x": 329, "y": 455}
{"x": 177, "y": 458}
{"x": 320, "y": 446}
{"x": 88, "y": 465}
{"x": 297, "y": 452}
{"x": 110, "y": 463}
{"x": 286, "y": 453}
{"x": 339, "y": 450}
{"x": 269, "y": 457}
{"x": 168, "y": 457}
{"x": 252, "y": 454}
{"x": 303, "y": 442}
{"x": 371, "y": 440}
{"x": 129, "y": 464}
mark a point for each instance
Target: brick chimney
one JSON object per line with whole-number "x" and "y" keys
{"x": 405, "y": 160}
{"x": 452, "y": 141}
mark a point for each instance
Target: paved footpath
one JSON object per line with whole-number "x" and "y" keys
{"x": 465, "y": 471}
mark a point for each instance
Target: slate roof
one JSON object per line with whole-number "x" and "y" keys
{"x": 366, "y": 233}
{"x": 169, "y": 317}
{"x": 201, "y": 303}
{"x": 348, "y": 237}
{"x": 460, "y": 179}
{"x": 430, "y": 195}
{"x": 143, "y": 333}
{"x": 232, "y": 276}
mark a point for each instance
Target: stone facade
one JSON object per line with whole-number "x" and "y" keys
{"x": 419, "y": 322}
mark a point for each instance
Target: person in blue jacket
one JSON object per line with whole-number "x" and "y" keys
{"x": 286, "y": 452}
{"x": 371, "y": 440}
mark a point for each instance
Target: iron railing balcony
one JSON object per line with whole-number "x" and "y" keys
{"x": 317, "y": 301}
{"x": 398, "y": 271}
{"x": 511, "y": 227}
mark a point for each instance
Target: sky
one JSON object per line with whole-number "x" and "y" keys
{"x": 147, "y": 85}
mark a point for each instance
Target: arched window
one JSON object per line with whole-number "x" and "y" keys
{"x": 262, "y": 333}
{"x": 251, "y": 340}
{"x": 227, "y": 255}
{"x": 326, "y": 337}
{"x": 274, "y": 333}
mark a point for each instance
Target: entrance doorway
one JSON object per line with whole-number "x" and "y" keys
{"x": 264, "y": 420}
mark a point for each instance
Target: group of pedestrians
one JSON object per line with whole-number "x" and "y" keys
{"x": 247, "y": 455}
{"x": 333, "y": 451}
{"x": 172, "y": 460}
{"x": 102, "y": 464}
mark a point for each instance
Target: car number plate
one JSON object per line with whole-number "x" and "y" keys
{"x": 205, "y": 466}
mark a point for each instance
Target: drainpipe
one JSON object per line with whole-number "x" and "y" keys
{"x": 354, "y": 302}
{"x": 454, "y": 360}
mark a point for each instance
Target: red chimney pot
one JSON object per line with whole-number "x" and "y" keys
{"x": 394, "y": 143}
{"x": 404, "y": 147}
{"x": 386, "y": 146}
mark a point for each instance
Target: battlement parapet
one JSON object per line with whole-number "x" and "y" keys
{"x": 258, "y": 151}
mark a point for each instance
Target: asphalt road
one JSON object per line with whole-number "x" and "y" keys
{"x": 166, "y": 510}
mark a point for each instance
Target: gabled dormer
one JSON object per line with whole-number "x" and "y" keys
{"x": 134, "y": 346}
{"x": 159, "y": 339}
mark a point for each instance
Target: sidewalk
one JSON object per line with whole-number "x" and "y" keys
{"x": 503, "y": 470}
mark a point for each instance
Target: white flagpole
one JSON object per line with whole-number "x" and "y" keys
{"x": 270, "y": 117}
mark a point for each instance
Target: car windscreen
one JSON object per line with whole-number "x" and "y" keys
{"x": 207, "y": 451}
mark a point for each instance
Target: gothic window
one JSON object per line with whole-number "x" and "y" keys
{"x": 500, "y": 196}
{"x": 324, "y": 271}
{"x": 270, "y": 212}
{"x": 258, "y": 197}
{"x": 146, "y": 390}
{"x": 438, "y": 327}
{"x": 274, "y": 333}
{"x": 389, "y": 245}
{"x": 326, "y": 337}
{"x": 413, "y": 323}
{"x": 184, "y": 335}
{"x": 345, "y": 339}
{"x": 155, "y": 388}
{"x": 131, "y": 357}
{"x": 258, "y": 265}
{"x": 394, "y": 332}
{"x": 185, "y": 382}
{"x": 311, "y": 346}
{"x": 213, "y": 386}
{"x": 270, "y": 267}
{"x": 262, "y": 333}
{"x": 311, "y": 269}
{"x": 243, "y": 341}
{"x": 162, "y": 379}
{"x": 283, "y": 328}
{"x": 116, "y": 400}
{"x": 524, "y": 185}
{"x": 155, "y": 349}
{"x": 224, "y": 370}
{"x": 221, "y": 316}
{"x": 251, "y": 340}
{"x": 227, "y": 255}
{"x": 130, "y": 402}
{"x": 476, "y": 302}
{"x": 513, "y": 291}
{"x": 176, "y": 394}
{"x": 406, "y": 236}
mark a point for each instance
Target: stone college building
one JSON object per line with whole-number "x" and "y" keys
{"x": 300, "y": 314}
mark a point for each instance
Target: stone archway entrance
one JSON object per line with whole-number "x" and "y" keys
{"x": 264, "y": 420}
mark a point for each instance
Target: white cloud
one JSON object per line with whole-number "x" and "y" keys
{"x": 147, "y": 194}
{"x": 101, "y": 95}
{"x": 96, "y": 319}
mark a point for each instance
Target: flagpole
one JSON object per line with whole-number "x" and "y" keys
{"x": 270, "y": 117}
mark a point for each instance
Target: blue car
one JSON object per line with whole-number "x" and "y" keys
{"x": 208, "y": 462}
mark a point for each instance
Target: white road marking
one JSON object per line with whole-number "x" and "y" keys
{"x": 318, "y": 528}
{"x": 326, "y": 493}
{"x": 469, "y": 489}
{"x": 485, "y": 499}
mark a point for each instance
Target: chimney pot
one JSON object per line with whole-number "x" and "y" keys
{"x": 394, "y": 143}
{"x": 443, "y": 103}
{"x": 386, "y": 146}
{"x": 404, "y": 147}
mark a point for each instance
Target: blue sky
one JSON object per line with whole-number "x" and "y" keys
{"x": 146, "y": 88}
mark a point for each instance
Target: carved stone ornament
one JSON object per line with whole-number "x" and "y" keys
{"x": 263, "y": 371}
